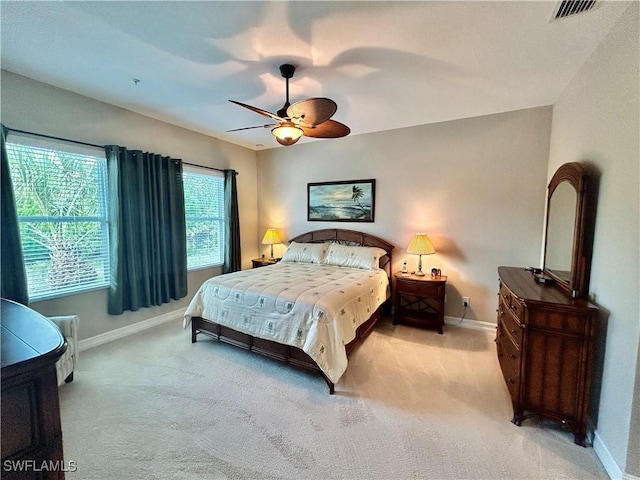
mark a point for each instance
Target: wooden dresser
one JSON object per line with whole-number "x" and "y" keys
{"x": 31, "y": 431}
{"x": 545, "y": 343}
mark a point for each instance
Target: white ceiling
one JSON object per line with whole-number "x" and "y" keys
{"x": 386, "y": 64}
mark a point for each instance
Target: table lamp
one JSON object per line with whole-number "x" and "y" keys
{"x": 272, "y": 238}
{"x": 420, "y": 245}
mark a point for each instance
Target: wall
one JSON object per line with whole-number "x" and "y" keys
{"x": 596, "y": 120}
{"x": 476, "y": 186}
{"x": 37, "y": 107}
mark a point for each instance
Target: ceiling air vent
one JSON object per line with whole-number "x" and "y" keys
{"x": 568, "y": 8}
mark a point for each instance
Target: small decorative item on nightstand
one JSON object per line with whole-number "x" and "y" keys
{"x": 419, "y": 300}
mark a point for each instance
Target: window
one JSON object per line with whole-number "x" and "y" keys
{"x": 204, "y": 211}
{"x": 60, "y": 193}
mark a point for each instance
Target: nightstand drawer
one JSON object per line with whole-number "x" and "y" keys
{"x": 425, "y": 289}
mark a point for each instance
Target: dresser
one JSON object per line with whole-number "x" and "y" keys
{"x": 31, "y": 432}
{"x": 545, "y": 345}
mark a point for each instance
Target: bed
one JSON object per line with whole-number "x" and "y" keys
{"x": 309, "y": 310}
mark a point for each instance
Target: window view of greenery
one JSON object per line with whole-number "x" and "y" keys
{"x": 60, "y": 199}
{"x": 204, "y": 211}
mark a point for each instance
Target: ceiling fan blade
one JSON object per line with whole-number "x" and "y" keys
{"x": 328, "y": 129}
{"x": 249, "y": 128}
{"x": 312, "y": 111}
{"x": 259, "y": 111}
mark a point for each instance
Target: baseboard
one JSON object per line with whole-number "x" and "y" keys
{"x": 119, "y": 333}
{"x": 473, "y": 324}
{"x": 608, "y": 462}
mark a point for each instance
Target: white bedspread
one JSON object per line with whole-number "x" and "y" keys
{"x": 316, "y": 308}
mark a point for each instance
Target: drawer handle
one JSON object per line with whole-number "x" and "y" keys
{"x": 511, "y": 381}
{"x": 513, "y": 330}
{"x": 513, "y": 357}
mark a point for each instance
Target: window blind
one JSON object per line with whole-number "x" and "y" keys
{"x": 204, "y": 212}
{"x": 60, "y": 193}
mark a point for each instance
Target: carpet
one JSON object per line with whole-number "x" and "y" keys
{"x": 412, "y": 405}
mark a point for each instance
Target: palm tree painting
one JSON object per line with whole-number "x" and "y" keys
{"x": 343, "y": 201}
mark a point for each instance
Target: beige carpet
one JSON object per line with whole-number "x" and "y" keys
{"x": 412, "y": 405}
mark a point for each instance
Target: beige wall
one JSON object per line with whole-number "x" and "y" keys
{"x": 476, "y": 186}
{"x": 596, "y": 120}
{"x": 37, "y": 107}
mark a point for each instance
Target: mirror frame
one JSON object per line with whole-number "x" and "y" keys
{"x": 578, "y": 177}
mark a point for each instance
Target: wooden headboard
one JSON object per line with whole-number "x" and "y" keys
{"x": 349, "y": 237}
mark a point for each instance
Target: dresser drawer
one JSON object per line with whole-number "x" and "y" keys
{"x": 513, "y": 327}
{"x": 512, "y": 302}
{"x": 510, "y": 350}
{"x": 511, "y": 376}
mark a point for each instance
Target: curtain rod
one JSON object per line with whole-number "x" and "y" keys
{"x": 9, "y": 129}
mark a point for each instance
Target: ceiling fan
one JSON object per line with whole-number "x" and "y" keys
{"x": 310, "y": 117}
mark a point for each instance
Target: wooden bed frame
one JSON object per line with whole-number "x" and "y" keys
{"x": 294, "y": 355}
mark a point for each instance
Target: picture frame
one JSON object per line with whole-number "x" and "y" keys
{"x": 341, "y": 201}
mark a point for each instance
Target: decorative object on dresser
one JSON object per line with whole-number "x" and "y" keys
{"x": 361, "y": 287}
{"x": 546, "y": 329}
{"x": 344, "y": 201}
{"x": 271, "y": 238}
{"x": 420, "y": 245}
{"x": 31, "y": 430}
{"x": 419, "y": 300}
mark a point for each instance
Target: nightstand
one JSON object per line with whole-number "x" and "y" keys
{"x": 263, "y": 262}
{"x": 419, "y": 300}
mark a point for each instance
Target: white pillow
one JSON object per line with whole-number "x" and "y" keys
{"x": 305, "y": 252}
{"x": 367, "y": 258}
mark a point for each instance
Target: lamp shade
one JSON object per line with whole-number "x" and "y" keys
{"x": 420, "y": 245}
{"x": 287, "y": 133}
{"x": 271, "y": 237}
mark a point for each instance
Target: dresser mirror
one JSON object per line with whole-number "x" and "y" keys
{"x": 569, "y": 229}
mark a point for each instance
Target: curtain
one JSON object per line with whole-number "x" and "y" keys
{"x": 13, "y": 278}
{"x": 147, "y": 230}
{"x": 232, "y": 259}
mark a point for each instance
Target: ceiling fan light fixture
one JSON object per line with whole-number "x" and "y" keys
{"x": 287, "y": 133}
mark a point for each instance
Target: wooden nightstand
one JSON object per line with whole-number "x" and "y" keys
{"x": 419, "y": 300}
{"x": 263, "y": 262}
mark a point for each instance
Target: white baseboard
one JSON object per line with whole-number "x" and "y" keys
{"x": 608, "y": 462}
{"x": 473, "y": 324}
{"x": 128, "y": 330}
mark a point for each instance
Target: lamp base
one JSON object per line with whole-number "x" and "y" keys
{"x": 419, "y": 273}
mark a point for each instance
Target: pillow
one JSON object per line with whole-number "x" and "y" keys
{"x": 305, "y": 252}
{"x": 367, "y": 258}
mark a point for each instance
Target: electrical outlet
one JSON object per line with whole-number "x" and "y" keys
{"x": 465, "y": 301}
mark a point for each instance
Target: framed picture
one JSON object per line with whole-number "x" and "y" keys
{"x": 345, "y": 201}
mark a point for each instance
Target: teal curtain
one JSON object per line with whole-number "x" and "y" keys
{"x": 232, "y": 257}
{"x": 13, "y": 278}
{"x": 147, "y": 230}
